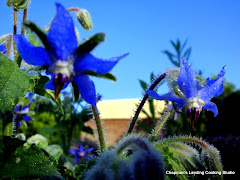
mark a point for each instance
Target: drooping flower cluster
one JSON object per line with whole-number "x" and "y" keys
{"x": 62, "y": 60}
{"x": 81, "y": 154}
{"x": 194, "y": 97}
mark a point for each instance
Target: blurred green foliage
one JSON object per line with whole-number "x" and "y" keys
{"x": 59, "y": 128}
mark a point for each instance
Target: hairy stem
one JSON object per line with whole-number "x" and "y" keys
{"x": 15, "y": 32}
{"x": 24, "y": 19}
{"x": 161, "y": 123}
{"x": 99, "y": 129}
{"x": 73, "y": 9}
{"x": 9, "y": 45}
{"x": 155, "y": 83}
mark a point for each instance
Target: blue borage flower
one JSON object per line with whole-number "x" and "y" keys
{"x": 3, "y": 49}
{"x": 21, "y": 114}
{"x": 81, "y": 154}
{"x": 194, "y": 96}
{"x": 62, "y": 60}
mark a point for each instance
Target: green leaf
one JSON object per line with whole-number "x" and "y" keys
{"x": 9, "y": 146}
{"x": 13, "y": 83}
{"x": 152, "y": 109}
{"x": 145, "y": 112}
{"x": 39, "y": 89}
{"x": 143, "y": 85}
{"x": 33, "y": 39}
{"x": 152, "y": 77}
{"x": 144, "y": 127}
{"x": 76, "y": 92}
{"x": 170, "y": 56}
{"x": 38, "y": 140}
{"x": 91, "y": 43}
{"x": 174, "y": 163}
{"x": 176, "y": 46}
{"x": 187, "y": 53}
{"x": 31, "y": 162}
{"x": 55, "y": 151}
{"x": 5, "y": 123}
{"x": 108, "y": 76}
{"x": 38, "y": 31}
{"x": 87, "y": 129}
{"x": 184, "y": 44}
{"x": 8, "y": 129}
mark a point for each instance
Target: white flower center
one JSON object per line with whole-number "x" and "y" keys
{"x": 195, "y": 102}
{"x": 62, "y": 67}
{"x": 81, "y": 154}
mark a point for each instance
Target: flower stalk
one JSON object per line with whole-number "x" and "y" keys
{"x": 134, "y": 119}
{"x": 161, "y": 123}
{"x": 9, "y": 45}
{"x": 99, "y": 129}
{"x": 72, "y": 9}
{"x": 25, "y": 11}
{"x": 15, "y": 32}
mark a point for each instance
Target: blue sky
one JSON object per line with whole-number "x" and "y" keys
{"x": 145, "y": 28}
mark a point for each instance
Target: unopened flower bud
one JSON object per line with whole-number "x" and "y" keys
{"x": 18, "y": 4}
{"x": 84, "y": 18}
{"x": 9, "y": 3}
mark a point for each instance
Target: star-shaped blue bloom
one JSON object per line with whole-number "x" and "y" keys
{"x": 21, "y": 114}
{"x": 80, "y": 153}
{"x": 3, "y": 49}
{"x": 62, "y": 60}
{"x": 194, "y": 96}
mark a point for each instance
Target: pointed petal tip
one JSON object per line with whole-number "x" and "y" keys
{"x": 123, "y": 55}
{"x": 59, "y": 6}
{"x": 183, "y": 60}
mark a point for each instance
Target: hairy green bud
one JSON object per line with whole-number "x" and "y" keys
{"x": 84, "y": 18}
{"x": 17, "y": 4}
{"x": 9, "y": 3}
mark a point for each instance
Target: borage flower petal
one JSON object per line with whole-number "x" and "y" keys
{"x": 211, "y": 106}
{"x": 186, "y": 80}
{"x": 32, "y": 55}
{"x": 3, "y": 49}
{"x": 61, "y": 59}
{"x": 61, "y": 38}
{"x": 169, "y": 97}
{"x": 195, "y": 97}
{"x": 87, "y": 62}
{"x": 86, "y": 88}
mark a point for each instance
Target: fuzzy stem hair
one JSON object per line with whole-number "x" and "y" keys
{"x": 99, "y": 129}
{"x": 161, "y": 123}
{"x": 154, "y": 84}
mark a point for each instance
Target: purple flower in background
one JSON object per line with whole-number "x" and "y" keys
{"x": 81, "y": 154}
{"x": 30, "y": 97}
{"x": 62, "y": 60}
{"x": 194, "y": 97}
{"x": 3, "y": 49}
{"x": 20, "y": 113}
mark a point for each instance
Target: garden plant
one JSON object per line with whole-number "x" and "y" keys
{"x": 39, "y": 120}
